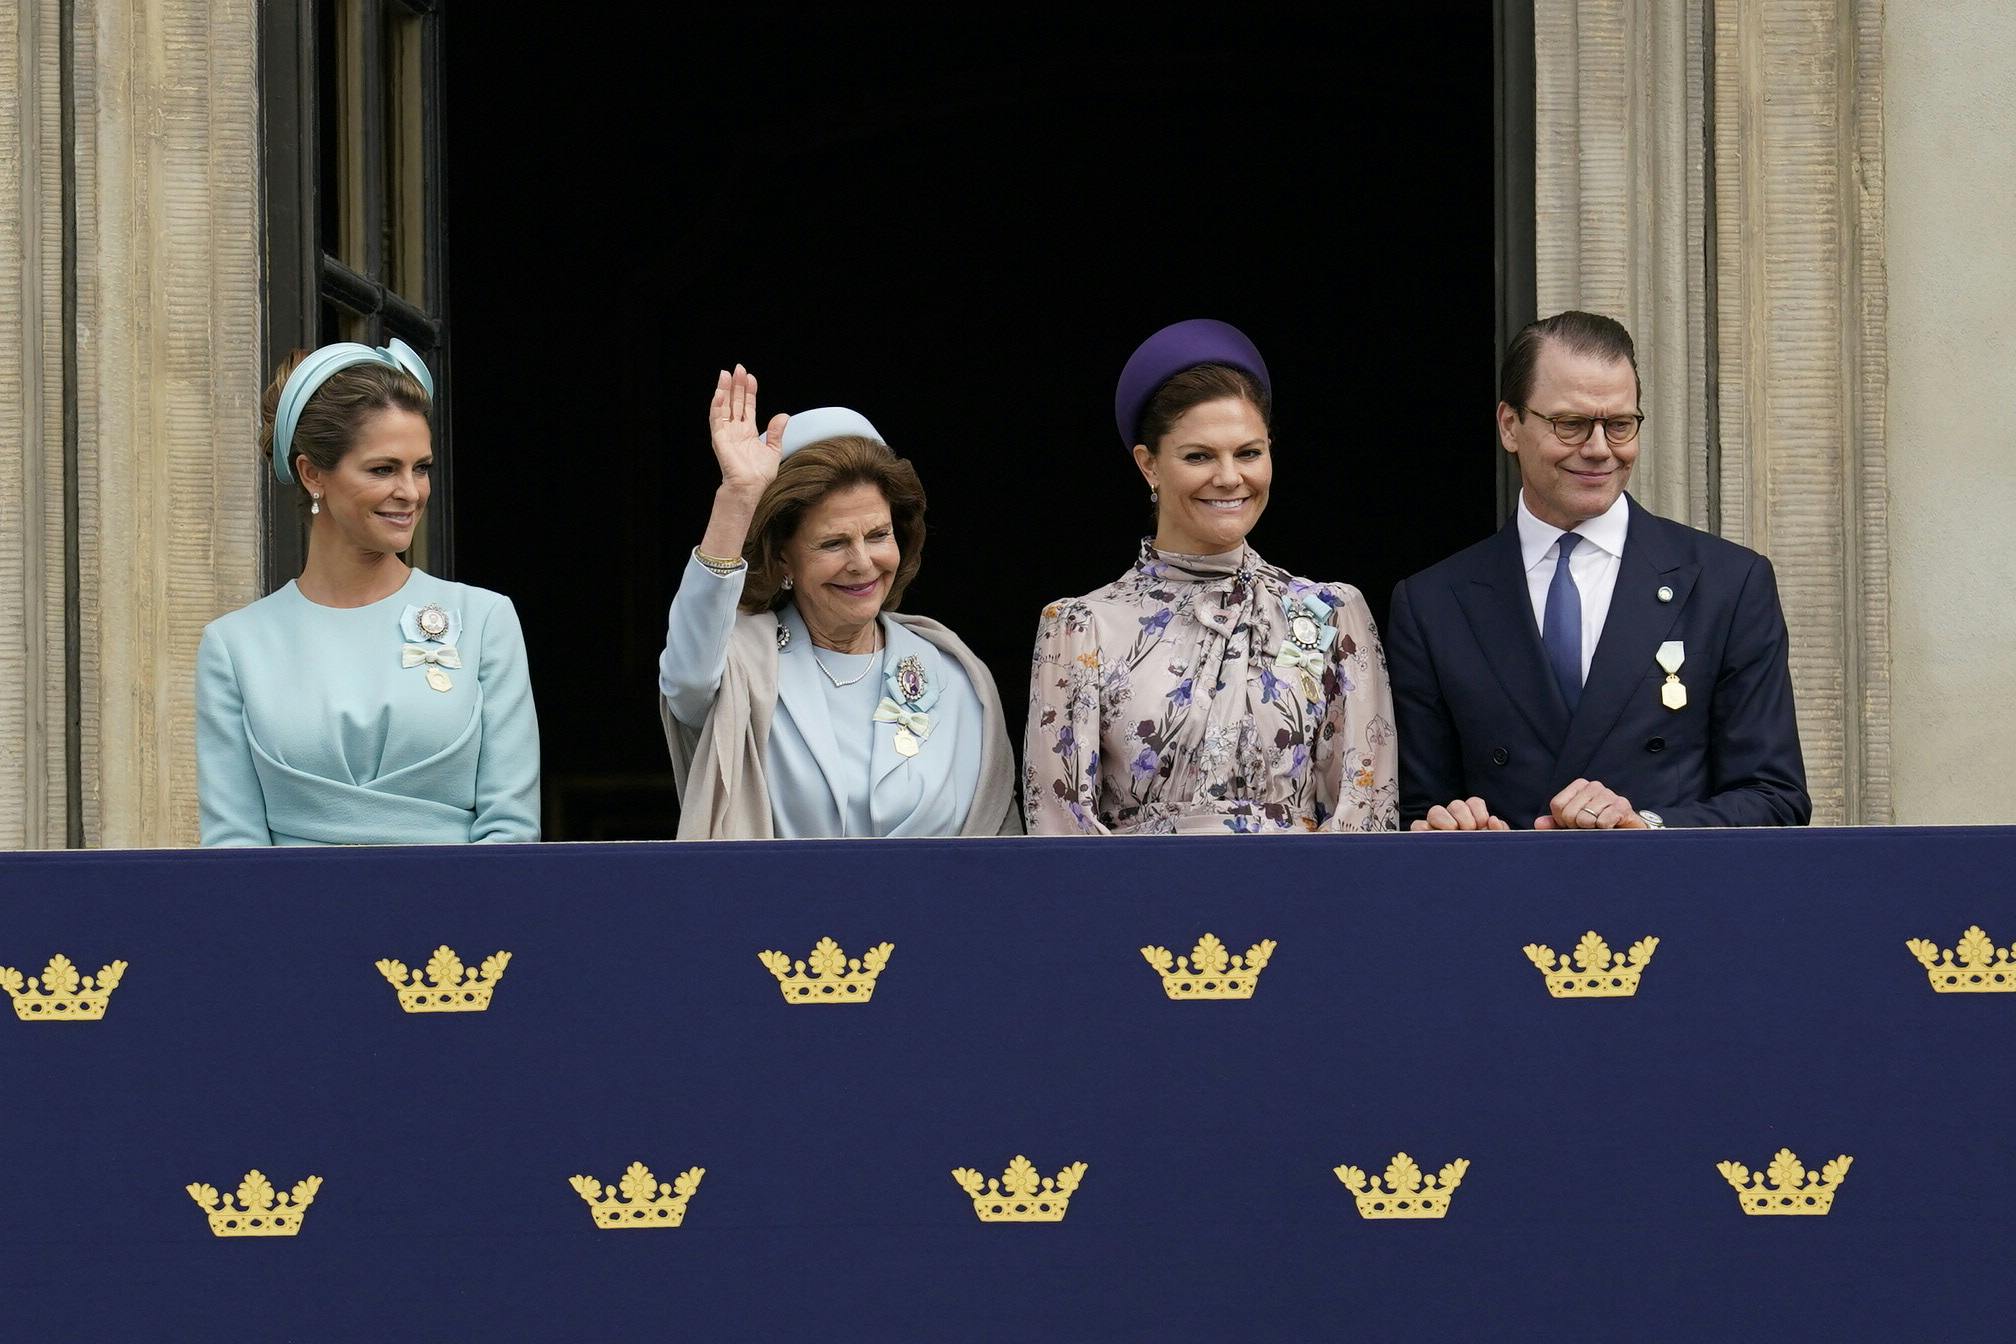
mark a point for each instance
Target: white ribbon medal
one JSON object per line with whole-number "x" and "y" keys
{"x": 1670, "y": 656}
{"x": 913, "y": 725}
{"x": 413, "y": 655}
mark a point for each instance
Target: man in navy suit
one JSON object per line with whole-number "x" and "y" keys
{"x": 1592, "y": 666}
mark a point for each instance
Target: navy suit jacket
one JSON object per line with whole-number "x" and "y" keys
{"x": 1480, "y": 714}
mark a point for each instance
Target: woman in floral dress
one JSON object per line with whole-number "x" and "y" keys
{"x": 1205, "y": 690}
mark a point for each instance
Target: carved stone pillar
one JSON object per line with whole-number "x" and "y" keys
{"x": 1618, "y": 177}
{"x": 163, "y": 386}
{"x": 32, "y": 701}
{"x": 1802, "y": 362}
{"x": 168, "y": 232}
{"x": 1723, "y": 196}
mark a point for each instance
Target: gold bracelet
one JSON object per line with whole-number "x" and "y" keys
{"x": 722, "y": 567}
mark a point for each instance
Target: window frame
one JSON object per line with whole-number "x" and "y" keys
{"x": 309, "y": 288}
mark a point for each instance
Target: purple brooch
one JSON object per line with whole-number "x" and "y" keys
{"x": 910, "y": 681}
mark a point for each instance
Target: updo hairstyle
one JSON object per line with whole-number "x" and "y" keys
{"x": 336, "y": 414}
{"x": 808, "y": 476}
{"x": 1192, "y": 388}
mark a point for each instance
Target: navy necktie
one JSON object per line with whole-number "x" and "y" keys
{"x": 1561, "y": 630}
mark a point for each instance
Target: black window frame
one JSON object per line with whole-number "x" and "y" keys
{"x": 309, "y": 289}
{"x": 1514, "y": 189}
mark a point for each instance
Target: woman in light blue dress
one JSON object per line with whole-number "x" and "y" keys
{"x": 796, "y": 701}
{"x": 365, "y": 702}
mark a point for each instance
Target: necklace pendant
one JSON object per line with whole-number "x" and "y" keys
{"x": 439, "y": 680}
{"x": 906, "y": 742}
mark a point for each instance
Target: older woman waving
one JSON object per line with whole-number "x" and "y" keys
{"x": 797, "y": 702}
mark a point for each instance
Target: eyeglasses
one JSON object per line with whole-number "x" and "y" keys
{"x": 1574, "y": 430}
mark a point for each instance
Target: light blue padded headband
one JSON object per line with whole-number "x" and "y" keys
{"x": 316, "y": 370}
{"x": 823, "y": 423}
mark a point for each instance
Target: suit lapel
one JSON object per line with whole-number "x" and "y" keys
{"x": 798, "y": 687}
{"x": 1500, "y": 610}
{"x": 1633, "y": 629}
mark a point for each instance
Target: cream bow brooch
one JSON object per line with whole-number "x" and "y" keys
{"x": 432, "y": 632}
{"x": 1307, "y": 644}
{"x": 909, "y": 695}
{"x": 434, "y": 660}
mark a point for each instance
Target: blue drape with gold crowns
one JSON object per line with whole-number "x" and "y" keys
{"x": 1669, "y": 1086}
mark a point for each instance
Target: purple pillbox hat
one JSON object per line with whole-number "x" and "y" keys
{"x": 1171, "y": 350}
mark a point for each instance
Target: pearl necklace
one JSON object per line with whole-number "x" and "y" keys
{"x": 873, "y": 663}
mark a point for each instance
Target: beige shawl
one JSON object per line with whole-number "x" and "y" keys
{"x": 723, "y": 794}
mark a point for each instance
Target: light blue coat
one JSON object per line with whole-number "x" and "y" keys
{"x": 309, "y": 731}
{"x": 762, "y": 746}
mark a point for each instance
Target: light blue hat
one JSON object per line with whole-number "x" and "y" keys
{"x": 317, "y": 369}
{"x": 823, "y": 423}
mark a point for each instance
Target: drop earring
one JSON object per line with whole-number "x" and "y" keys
{"x": 1154, "y": 495}
{"x": 787, "y": 583}
{"x": 314, "y": 503}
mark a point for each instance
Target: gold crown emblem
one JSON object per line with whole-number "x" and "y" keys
{"x": 450, "y": 987}
{"x": 1596, "y": 973}
{"x": 60, "y": 994}
{"x": 1209, "y": 972}
{"x": 260, "y": 1210}
{"x": 1404, "y": 1191}
{"x": 1021, "y": 1196}
{"x": 639, "y": 1200}
{"x": 1792, "y": 1189}
{"x": 1976, "y": 966}
{"x": 828, "y": 975}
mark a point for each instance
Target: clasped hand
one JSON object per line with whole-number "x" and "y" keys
{"x": 1585, "y": 805}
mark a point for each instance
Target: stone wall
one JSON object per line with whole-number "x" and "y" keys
{"x": 1950, "y": 124}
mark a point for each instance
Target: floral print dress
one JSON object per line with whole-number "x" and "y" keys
{"x": 1207, "y": 694}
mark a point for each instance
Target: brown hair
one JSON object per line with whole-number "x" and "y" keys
{"x": 1579, "y": 333}
{"x": 808, "y": 476}
{"x": 337, "y": 411}
{"x": 1195, "y": 386}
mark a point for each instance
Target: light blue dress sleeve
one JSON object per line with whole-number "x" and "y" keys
{"x": 696, "y": 640}
{"x": 228, "y": 794}
{"x": 507, "y": 770}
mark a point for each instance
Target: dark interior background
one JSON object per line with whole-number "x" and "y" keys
{"x": 961, "y": 234}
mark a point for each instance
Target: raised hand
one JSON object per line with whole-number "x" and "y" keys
{"x": 748, "y": 456}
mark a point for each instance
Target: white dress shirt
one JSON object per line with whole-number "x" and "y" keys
{"x": 1592, "y": 564}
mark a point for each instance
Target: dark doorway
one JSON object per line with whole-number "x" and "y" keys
{"x": 962, "y": 236}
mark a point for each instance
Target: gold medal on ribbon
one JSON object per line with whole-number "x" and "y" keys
{"x": 906, "y": 742}
{"x": 1671, "y": 655}
{"x": 439, "y": 679}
